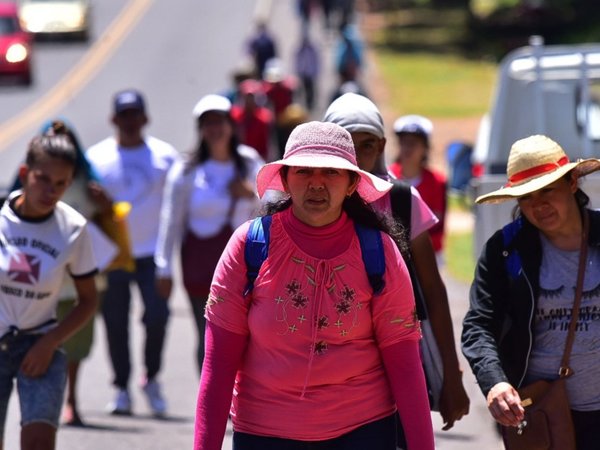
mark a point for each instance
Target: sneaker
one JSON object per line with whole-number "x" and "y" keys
{"x": 155, "y": 399}
{"x": 121, "y": 405}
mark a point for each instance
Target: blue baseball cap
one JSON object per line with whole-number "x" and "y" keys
{"x": 129, "y": 99}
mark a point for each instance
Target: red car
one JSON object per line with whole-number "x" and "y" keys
{"x": 15, "y": 45}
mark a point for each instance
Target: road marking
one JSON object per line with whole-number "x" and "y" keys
{"x": 70, "y": 85}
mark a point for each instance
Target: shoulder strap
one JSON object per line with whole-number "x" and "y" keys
{"x": 373, "y": 256}
{"x": 256, "y": 248}
{"x": 401, "y": 200}
{"x": 513, "y": 259}
{"x": 256, "y": 251}
{"x": 565, "y": 370}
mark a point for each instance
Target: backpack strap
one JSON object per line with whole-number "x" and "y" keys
{"x": 512, "y": 257}
{"x": 256, "y": 249}
{"x": 401, "y": 201}
{"x": 373, "y": 256}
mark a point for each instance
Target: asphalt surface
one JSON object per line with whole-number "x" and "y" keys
{"x": 175, "y": 55}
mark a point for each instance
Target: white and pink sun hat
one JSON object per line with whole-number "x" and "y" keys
{"x": 321, "y": 144}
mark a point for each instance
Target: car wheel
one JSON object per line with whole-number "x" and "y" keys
{"x": 27, "y": 79}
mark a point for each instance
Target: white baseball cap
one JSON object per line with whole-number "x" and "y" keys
{"x": 211, "y": 102}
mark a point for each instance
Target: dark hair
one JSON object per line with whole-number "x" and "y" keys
{"x": 581, "y": 197}
{"x": 55, "y": 146}
{"x": 202, "y": 153}
{"x": 357, "y": 209}
{"x": 58, "y": 127}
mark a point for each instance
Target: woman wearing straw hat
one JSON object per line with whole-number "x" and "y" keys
{"x": 315, "y": 359}
{"x": 522, "y": 295}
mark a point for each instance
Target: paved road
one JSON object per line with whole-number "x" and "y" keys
{"x": 175, "y": 55}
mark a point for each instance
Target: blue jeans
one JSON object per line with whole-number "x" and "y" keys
{"x": 115, "y": 310}
{"x": 378, "y": 435}
{"x": 40, "y": 398}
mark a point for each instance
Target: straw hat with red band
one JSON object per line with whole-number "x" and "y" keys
{"x": 533, "y": 163}
{"x": 321, "y": 144}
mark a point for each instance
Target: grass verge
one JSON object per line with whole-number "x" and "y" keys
{"x": 445, "y": 86}
{"x": 428, "y": 62}
{"x": 459, "y": 255}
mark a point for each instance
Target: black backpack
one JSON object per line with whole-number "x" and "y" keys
{"x": 401, "y": 200}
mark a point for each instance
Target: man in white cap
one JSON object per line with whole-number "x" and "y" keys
{"x": 359, "y": 115}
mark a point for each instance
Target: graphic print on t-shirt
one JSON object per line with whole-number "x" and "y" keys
{"x": 27, "y": 261}
{"x": 24, "y": 268}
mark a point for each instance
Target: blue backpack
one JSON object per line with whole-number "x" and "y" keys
{"x": 257, "y": 249}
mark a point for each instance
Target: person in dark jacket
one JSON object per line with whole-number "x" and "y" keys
{"x": 521, "y": 298}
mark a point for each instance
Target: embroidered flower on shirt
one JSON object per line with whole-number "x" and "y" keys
{"x": 348, "y": 293}
{"x": 213, "y": 300}
{"x": 323, "y": 322}
{"x": 320, "y": 347}
{"x": 299, "y": 301}
{"x": 293, "y": 287}
{"x": 343, "y": 307}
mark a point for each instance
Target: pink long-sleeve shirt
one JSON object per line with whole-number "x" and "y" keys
{"x": 313, "y": 337}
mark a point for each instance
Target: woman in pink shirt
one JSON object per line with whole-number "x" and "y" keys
{"x": 314, "y": 358}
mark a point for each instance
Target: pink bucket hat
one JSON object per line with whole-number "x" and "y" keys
{"x": 321, "y": 144}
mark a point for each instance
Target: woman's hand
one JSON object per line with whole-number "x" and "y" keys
{"x": 454, "y": 402}
{"x": 164, "y": 287}
{"x": 38, "y": 358}
{"x": 504, "y": 404}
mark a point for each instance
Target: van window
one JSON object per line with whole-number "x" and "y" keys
{"x": 588, "y": 112}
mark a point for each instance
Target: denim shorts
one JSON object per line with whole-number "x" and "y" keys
{"x": 40, "y": 398}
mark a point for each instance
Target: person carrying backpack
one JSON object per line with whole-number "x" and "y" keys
{"x": 314, "y": 351}
{"x": 361, "y": 117}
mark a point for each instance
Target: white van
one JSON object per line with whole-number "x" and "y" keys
{"x": 551, "y": 90}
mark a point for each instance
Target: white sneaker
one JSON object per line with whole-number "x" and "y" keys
{"x": 121, "y": 405}
{"x": 155, "y": 399}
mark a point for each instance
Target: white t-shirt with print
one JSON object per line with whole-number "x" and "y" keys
{"x": 135, "y": 175}
{"x": 198, "y": 199}
{"x": 34, "y": 257}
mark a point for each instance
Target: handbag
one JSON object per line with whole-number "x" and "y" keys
{"x": 433, "y": 366}
{"x": 199, "y": 257}
{"x": 548, "y": 424}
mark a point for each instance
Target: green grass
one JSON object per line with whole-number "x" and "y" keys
{"x": 459, "y": 256}
{"x": 431, "y": 64}
{"x": 430, "y": 68}
{"x": 436, "y": 85}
